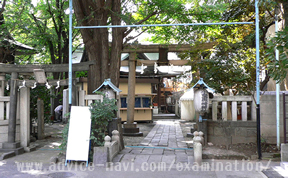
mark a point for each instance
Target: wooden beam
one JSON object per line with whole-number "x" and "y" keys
{"x": 154, "y": 48}
{"x": 9, "y": 68}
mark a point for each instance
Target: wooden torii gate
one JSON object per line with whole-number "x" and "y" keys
{"x": 15, "y": 70}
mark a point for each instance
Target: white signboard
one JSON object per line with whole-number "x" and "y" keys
{"x": 79, "y": 134}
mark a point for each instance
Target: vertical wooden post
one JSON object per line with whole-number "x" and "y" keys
{"x": 13, "y": 108}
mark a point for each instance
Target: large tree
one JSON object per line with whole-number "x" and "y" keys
{"x": 107, "y": 52}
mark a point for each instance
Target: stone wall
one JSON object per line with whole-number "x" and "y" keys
{"x": 4, "y": 131}
{"x": 231, "y": 132}
{"x": 268, "y": 118}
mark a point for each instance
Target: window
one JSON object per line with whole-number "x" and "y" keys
{"x": 138, "y": 102}
{"x": 123, "y": 103}
{"x": 146, "y": 102}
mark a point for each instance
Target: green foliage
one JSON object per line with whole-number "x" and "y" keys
{"x": 82, "y": 74}
{"x": 278, "y": 69}
{"x": 43, "y": 93}
{"x": 42, "y": 25}
{"x": 101, "y": 114}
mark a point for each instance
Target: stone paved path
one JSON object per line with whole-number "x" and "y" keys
{"x": 164, "y": 143}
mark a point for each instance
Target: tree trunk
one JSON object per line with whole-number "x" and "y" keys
{"x": 96, "y": 41}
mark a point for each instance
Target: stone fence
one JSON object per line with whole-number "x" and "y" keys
{"x": 103, "y": 155}
{"x": 230, "y": 108}
{"x": 4, "y": 107}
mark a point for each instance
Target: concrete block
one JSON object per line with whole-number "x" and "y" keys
{"x": 284, "y": 152}
{"x": 100, "y": 155}
{"x": 210, "y": 131}
{"x": 218, "y": 131}
{"x": 240, "y": 131}
{"x": 237, "y": 139}
{"x": 3, "y": 129}
{"x": 4, "y": 138}
{"x": 251, "y": 132}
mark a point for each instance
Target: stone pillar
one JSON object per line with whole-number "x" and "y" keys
{"x": 284, "y": 152}
{"x": 25, "y": 117}
{"x": 244, "y": 111}
{"x": 224, "y": 110}
{"x": 13, "y": 108}
{"x": 130, "y": 127}
{"x": 214, "y": 110}
{"x": 234, "y": 110}
{"x": 197, "y": 146}
{"x": 2, "y": 89}
{"x": 253, "y": 109}
{"x": 2, "y": 84}
{"x": 65, "y": 104}
{"x": 81, "y": 98}
{"x": 11, "y": 145}
{"x": 131, "y": 88}
{"x": 40, "y": 119}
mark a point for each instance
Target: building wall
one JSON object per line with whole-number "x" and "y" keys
{"x": 140, "y": 114}
{"x": 140, "y": 88}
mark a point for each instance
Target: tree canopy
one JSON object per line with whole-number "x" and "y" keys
{"x": 229, "y": 65}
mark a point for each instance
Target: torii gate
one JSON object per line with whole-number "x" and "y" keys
{"x": 24, "y": 100}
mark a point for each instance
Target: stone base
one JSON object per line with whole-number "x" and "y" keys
{"x": 100, "y": 156}
{"x": 131, "y": 130}
{"x": 7, "y": 155}
{"x": 15, "y": 147}
{"x": 284, "y": 152}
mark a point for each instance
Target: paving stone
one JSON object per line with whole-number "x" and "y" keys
{"x": 139, "y": 159}
{"x": 128, "y": 158}
{"x": 181, "y": 158}
{"x": 169, "y": 152}
{"x": 158, "y": 151}
{"x": 155, "y": 159}
{"x": 147, "y": 151}
{"x": 190, "y": 160}
{"x": 136, "y": 151}
{"x": 169, "y": 159}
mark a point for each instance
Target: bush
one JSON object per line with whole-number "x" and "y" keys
{"x": 101, "y": 114}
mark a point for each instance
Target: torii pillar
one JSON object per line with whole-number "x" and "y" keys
{"x": 130, "y": 127}
{"x": 11, "y": 145}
